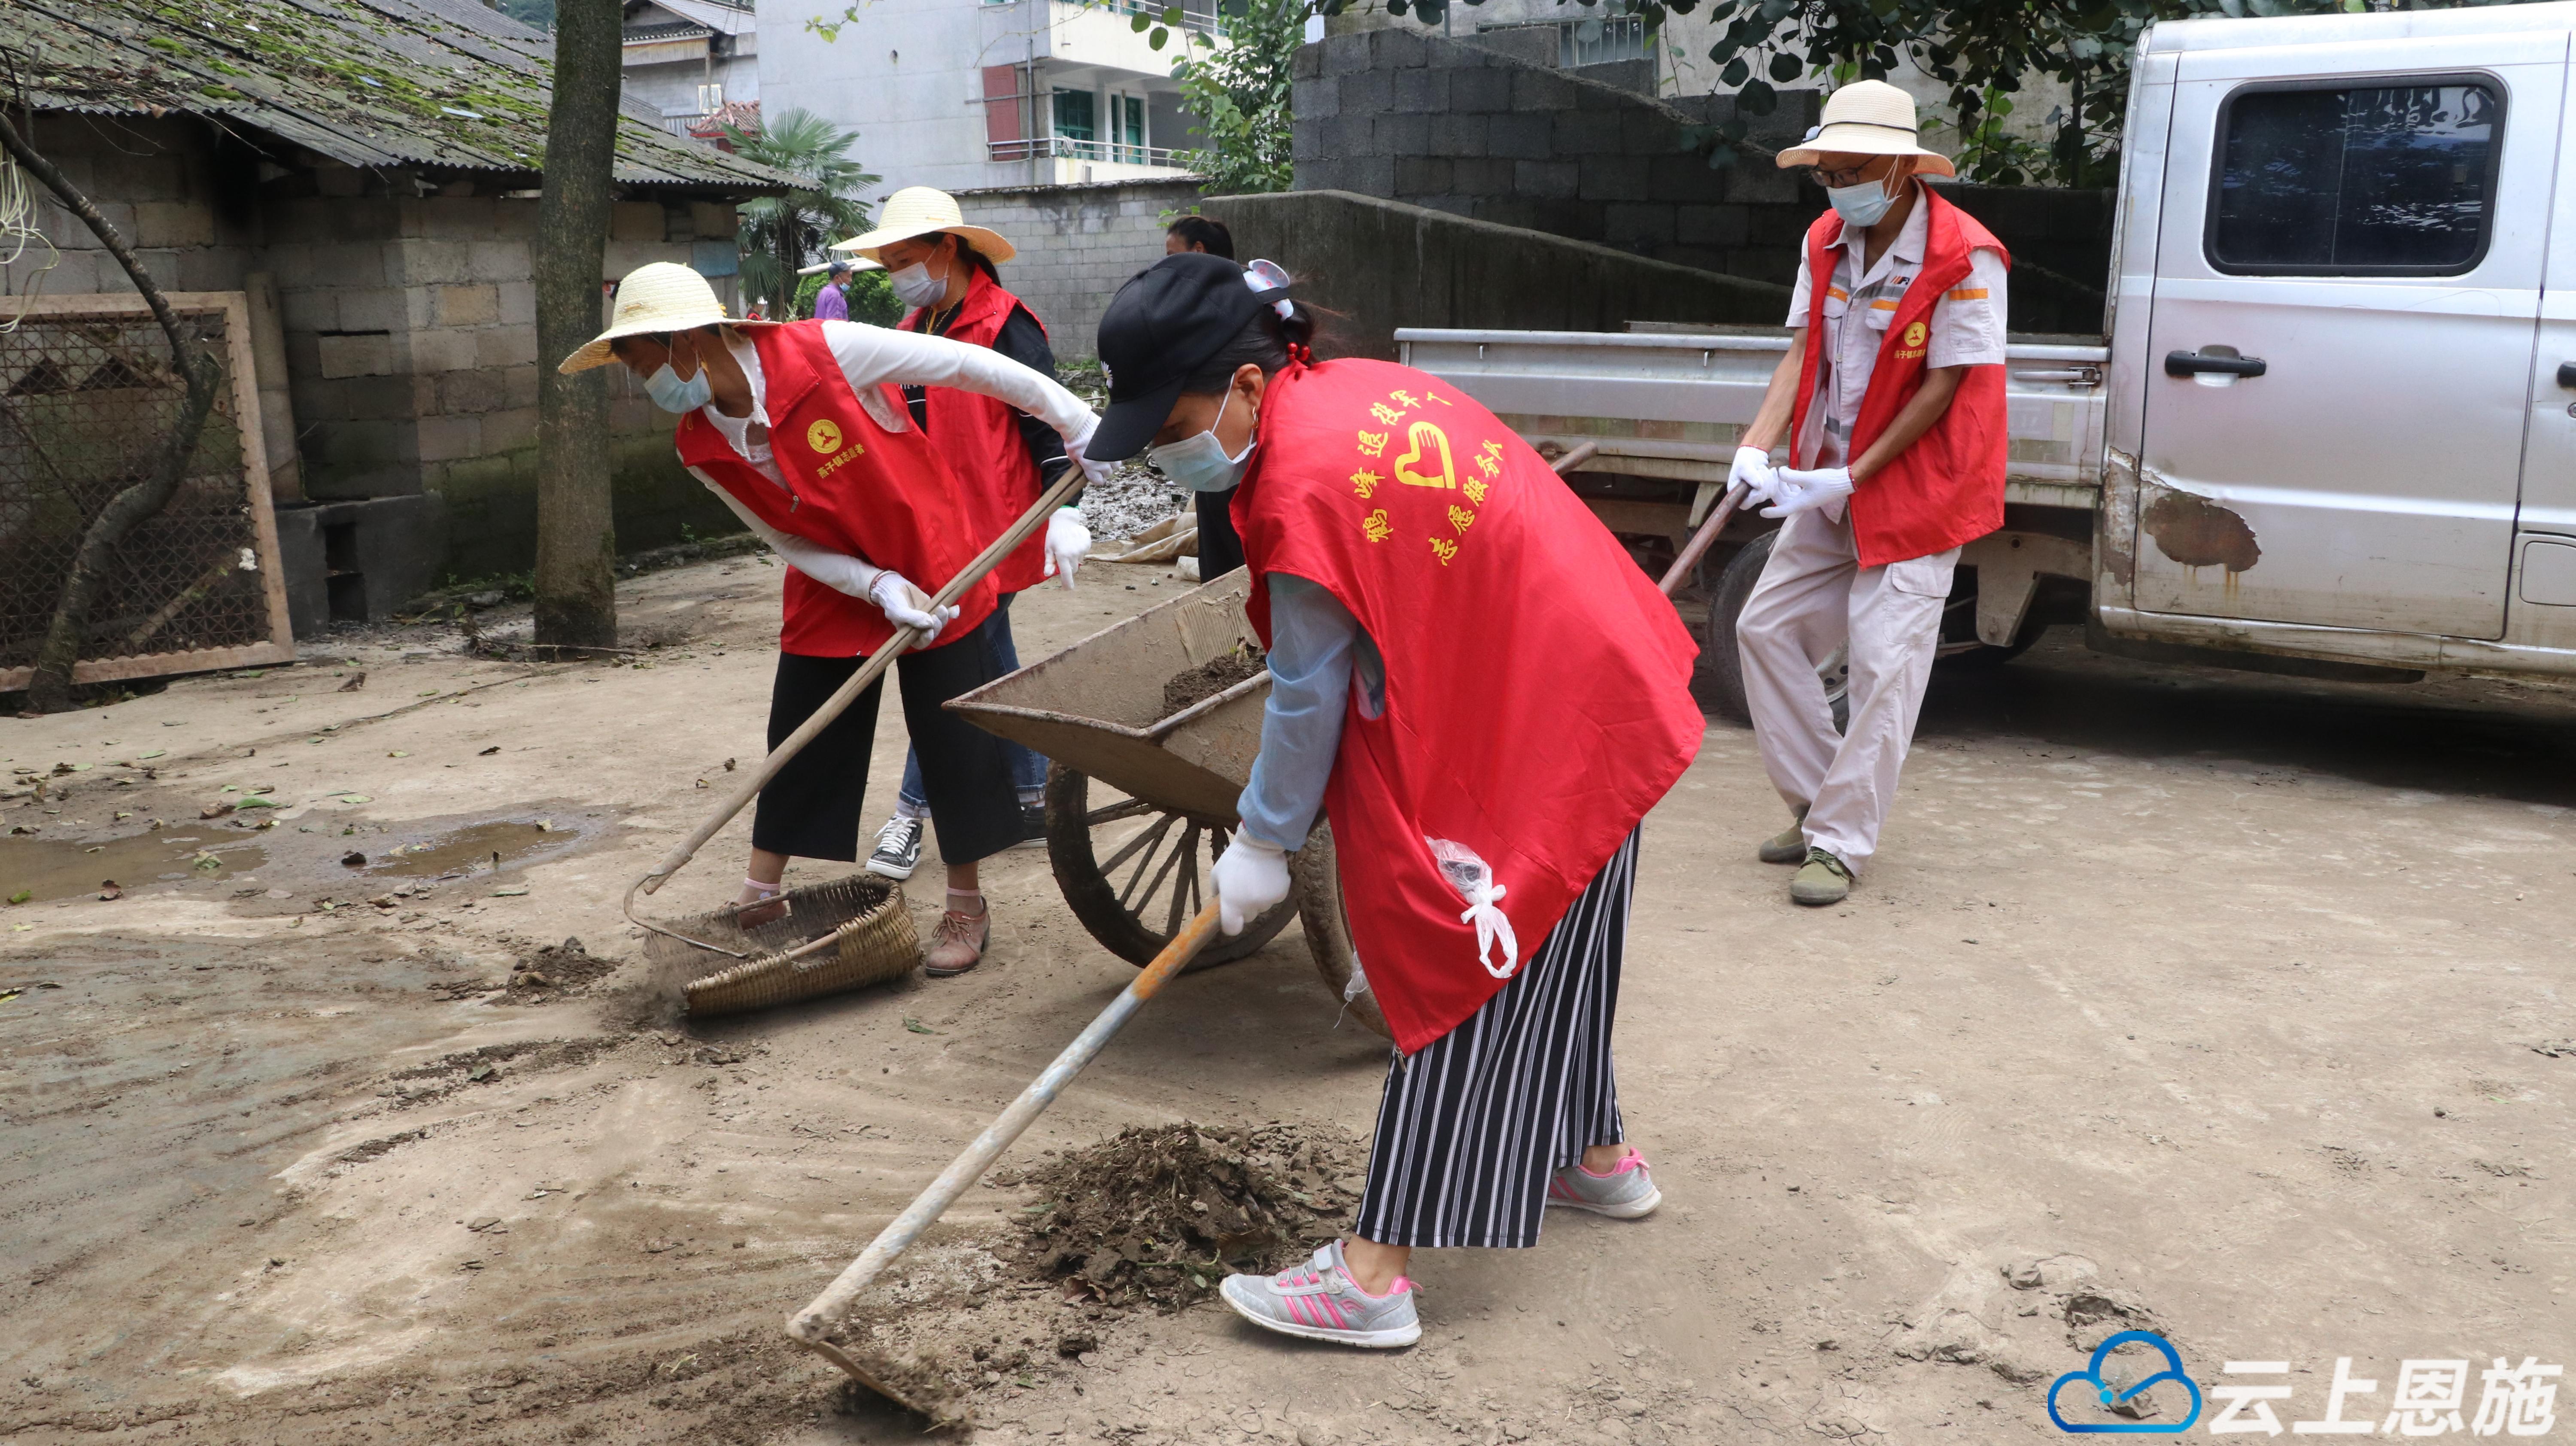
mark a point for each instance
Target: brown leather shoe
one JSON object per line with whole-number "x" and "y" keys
{"x": 958, "y": 944}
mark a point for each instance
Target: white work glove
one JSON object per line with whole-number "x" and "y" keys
{"x": 1251, "y": 876}
{"x": 1797, "y": 490}
{"x": 1753, "y": 472}
{"x": 1068, "y": 542}
{"x": 893, "y": 595}
{"x": 1092, "y": 472}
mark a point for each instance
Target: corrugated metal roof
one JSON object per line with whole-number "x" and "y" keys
{"x": 446, "y": 84}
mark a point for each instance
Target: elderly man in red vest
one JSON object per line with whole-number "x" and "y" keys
{"x": 1892, "y": 402}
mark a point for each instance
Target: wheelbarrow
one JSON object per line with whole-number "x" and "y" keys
{"x": 1139, "y": 806}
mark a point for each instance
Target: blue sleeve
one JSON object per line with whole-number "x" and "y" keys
{"x": 1312, "y": 638}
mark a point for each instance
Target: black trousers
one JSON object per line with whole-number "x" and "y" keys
{"x": 1220, "y": 550}
{"x": 813, "y": 808}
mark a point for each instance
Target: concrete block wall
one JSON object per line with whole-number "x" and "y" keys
{"x": 168, "y": 186}
{"x": 1470, "y": 129}
{"x": 1078, "y": 245}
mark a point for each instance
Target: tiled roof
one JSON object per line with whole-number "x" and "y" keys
{"x": 441, "y": 84}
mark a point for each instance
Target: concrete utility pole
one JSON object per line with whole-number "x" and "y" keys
{"x": 576, "y": 579}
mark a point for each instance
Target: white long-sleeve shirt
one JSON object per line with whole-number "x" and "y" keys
{"x": 869, "y": 357}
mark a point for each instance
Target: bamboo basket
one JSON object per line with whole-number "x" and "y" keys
{"x": 864, "y": 914}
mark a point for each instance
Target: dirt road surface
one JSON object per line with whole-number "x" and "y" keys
{"x": 2212, "y": 1003}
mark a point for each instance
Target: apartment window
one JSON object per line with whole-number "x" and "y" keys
{"x": 1077, "y": 115}
{"x": 2345, "y": 181}
{"x": 1127, "y": 125}
{"x": 710, "y": 99}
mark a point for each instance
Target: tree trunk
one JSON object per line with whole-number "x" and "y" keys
{"x": 576, "y": 580}
{"x": 50, "y": 689}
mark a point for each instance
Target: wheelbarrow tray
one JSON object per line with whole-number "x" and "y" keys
{"x": 1093, "y": 706}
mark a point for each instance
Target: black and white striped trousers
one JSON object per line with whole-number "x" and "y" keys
{"x": 1472, "y": 1127}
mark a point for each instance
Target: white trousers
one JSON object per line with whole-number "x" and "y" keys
{"x": 1813, "y": 597}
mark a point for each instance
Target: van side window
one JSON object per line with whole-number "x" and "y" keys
{"x": 2344, "y": 182}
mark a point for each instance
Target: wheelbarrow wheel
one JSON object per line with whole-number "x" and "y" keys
{"x": 1318, "y": 896}
{"x": 1134, "y": 874}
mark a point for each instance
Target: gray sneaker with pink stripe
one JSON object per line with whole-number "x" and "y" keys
{"x": 1320, "y": 1301}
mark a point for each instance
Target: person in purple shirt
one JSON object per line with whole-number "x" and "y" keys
{"x": 830, "y": 304}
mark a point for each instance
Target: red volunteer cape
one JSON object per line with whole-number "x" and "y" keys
{"x": 852, "y": 486}
{"x": 1948, "y": 488}
{"x": 980, "y": 437}
{"x": 1537, "y": 685}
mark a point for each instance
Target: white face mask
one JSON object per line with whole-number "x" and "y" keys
{"x": 1198, "y": 461}
{"x": 914, "y": 286}
{"x": 1861, "y": 205}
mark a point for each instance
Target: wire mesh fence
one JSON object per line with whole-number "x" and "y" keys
{"x": 88, "y": 400}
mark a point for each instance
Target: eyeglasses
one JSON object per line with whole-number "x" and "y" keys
{"x": 1836, "y": 180}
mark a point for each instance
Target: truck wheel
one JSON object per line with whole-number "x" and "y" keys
{"x": 1721, "y": 669}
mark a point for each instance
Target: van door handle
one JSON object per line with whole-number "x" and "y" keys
{"x": 2189, "y": 363}
{"x": 2567, "y": 374}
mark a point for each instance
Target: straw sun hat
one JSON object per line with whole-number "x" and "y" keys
{"x": 922, "y": 211}
{"x": 1868, "y": 118}
{"x": 657, "y": 296}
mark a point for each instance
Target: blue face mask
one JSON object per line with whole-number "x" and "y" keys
{"x": 1860, "y": 205}
{"x": 674, "y": 395}
{"x": 1198, "y": 461}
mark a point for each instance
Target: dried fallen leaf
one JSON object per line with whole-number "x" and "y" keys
{"x": 356, "y": 682}
{"x": 916, "y": 1026}
{"x": 509, "y": 893}
{"x": 215, "y": 810}
{"x": 488, "y": 752}
{"x": 399, "y": 753}
{"x": 108, "y": 890}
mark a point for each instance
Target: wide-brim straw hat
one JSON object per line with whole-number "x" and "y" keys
{"x": 1868, "y": 118}
{"x": 923, "y": 211}
{"x": 657, "y": 296}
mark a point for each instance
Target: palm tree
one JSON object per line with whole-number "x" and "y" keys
{"x": 780, "y": 234}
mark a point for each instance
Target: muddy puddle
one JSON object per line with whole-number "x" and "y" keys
{"x": 43, "y": 869}
{"x": 480, "y": 849}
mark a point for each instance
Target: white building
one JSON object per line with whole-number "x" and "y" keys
{"x": 696, "y": 61}
{"x": 971, "y": 94}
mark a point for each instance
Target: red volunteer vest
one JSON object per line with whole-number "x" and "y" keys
{"x": 980, "y": 437}
{"x": 1948, "y": 488}
{"x": 852, "y": 486}
{"x": 1537, "y": 685}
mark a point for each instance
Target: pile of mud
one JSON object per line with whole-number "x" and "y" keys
{"x": 1210, "y": 678}
{"x": 1160, "y": 1215}
{"x": 555, "y": 969}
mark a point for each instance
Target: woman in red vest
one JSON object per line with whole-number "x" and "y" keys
{"x": 1485, "y": 693}
{"x": 801, "y": 429}
{"x": 1892, "y": 400}
{"x": 1005, "y": 459}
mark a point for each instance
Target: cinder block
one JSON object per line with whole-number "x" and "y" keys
{"x": 444, "y": 439}
{"x": 1421, "y": 91}
{"x": 458, "y": 218}
{"x": 1458, "y": 136}
{"x": 1485, "y": 89}
{"x": 1314, "y": 100}
{"x": 311, "y": 308}
{"x": 1345, "y": 54}
{"x": 518, "y": 303}
{"x": 1709, "y": 225}
{"x": 1541, "y": 90}
{"x": 1518, "y": 137}
{"x": 1634, "y": 226}
{"x": 504, "y": 431}
{"x": 1472, "y": 177}
{"x": 471, "y": 391}
{"x": 475, "y": 305}
{"x": 1396, "y": 48}
{"x": 1587, "y": 133}
{"x": 635, "y": 221}
{"x": 505, "y": 346}
{"x": 514, "y": 219}
{"x": 1373, "y": 175}
{"x": 1402, "y": 135}
{"x": 713, "y": 220}
{"x": 378, "y": 308}
{"x": 172, "y": 223}
{"x": 426, "y": 263}
{"x": 1420, "y": 176}
{"x": 357, "y": 356}
{"x": 1546, "y": 180}
{"x": 500, "y": 261}
{"x": 1616, "y": 178}
{"x": 330, "y": 178}
{"x": 375, "y": 399}
{"x": 356, "y": 264}
{"x": 1369, "y": 92}
{"x": 442, "y": 351}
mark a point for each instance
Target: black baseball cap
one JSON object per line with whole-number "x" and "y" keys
{"x": 1162, "y": 326}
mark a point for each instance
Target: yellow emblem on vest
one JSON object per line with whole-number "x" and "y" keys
{"x": 824, "y": 437}
{"x": 1426, "y": 440}
{"x": 1915, "y": 333}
